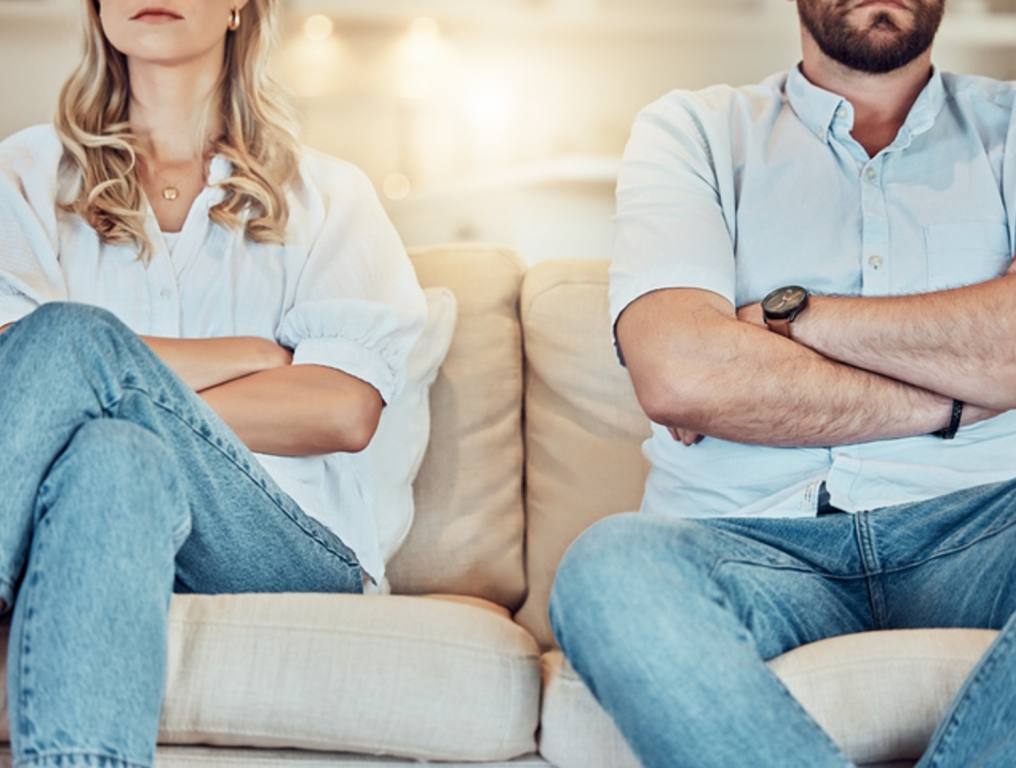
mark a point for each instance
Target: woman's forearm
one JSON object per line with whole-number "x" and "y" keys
{"x": 298, "y": 410}
{"x": 204, "y": 363}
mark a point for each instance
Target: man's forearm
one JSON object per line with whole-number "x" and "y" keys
{"x": 784, "y": 398}
{"x": 298, "y": 410}
{"x": 697, "y": 368}
{"x": 204, "y": 363}
{"x": 959, "y": 343}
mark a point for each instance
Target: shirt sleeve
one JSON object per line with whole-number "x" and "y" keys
{"x": 670, "y": 228}
{"x": 358, "y": 307}
{"x": 30, "y": 272}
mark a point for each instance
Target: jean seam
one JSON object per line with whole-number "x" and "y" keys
{"x": 953, "y": 550}
{"x": 723, "y": 601}
{"x": 777, "y": 567}
{"x": 24, "y": 671}
{"x": 872, "y": 568}
{"x": 166, "y": 407}
{"x": 964, "y": 703}
{"x": 48, "y": 755}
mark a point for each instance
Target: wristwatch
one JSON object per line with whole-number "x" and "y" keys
{"x": 781, "y": 307}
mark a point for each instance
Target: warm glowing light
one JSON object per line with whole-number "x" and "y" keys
{"x": 318, "y": 27}
{"x": 397, "y": 186}
{"x": 313, "y": 67}
{"x": 425, "y": 27}
{"x": 490, "y": 104}
{"x": 423, "y": 60}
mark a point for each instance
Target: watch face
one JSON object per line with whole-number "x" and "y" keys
{"x": 783, "y": 301}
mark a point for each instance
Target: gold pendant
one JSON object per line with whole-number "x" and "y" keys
{"x": 170, "y": 193}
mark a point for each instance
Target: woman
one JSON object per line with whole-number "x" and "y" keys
{"x": 277, "y": 308}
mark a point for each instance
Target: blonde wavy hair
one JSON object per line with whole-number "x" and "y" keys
{"x": 258, "y": 136}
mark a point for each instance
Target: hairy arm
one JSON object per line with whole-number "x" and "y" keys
{"x": 960, "y": 343}
{"x": 299, "y": 410}
{"x": 697, "y": 369}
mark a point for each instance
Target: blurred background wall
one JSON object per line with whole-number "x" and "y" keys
{"x": 494, "y": 120}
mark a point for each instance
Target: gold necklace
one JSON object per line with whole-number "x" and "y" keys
{"x": 170, "y": 191}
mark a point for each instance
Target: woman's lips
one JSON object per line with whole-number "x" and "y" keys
{"x": 156, "y": 16}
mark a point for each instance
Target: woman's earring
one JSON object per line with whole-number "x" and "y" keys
{"x": 234, "y": 20}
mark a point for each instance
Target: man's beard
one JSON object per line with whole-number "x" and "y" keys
{"x": 860, "y": 49}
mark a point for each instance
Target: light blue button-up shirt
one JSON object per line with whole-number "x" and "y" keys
{"x": 740, "y": 191}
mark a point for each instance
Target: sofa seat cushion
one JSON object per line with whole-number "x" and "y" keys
{"x": 408, "y": 677}
{"x": 879, "y": 695}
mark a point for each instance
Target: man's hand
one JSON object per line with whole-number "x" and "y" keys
{"x": 686, "y": 436}
{"x": 5, "y": 327}
{"x": 752, "y": 313}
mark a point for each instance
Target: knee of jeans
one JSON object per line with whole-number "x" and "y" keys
{"x": 73, "y": 320}
{"x": 620, "y": 555}
{"x": 121, "y": 460}
{"x": 598, "y": 562}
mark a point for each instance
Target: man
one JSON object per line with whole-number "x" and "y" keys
{"x": 857, "y": 467}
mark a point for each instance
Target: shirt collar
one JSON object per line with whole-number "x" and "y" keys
{"x": 818, "y": 108}
{"x": 219, "y": 169}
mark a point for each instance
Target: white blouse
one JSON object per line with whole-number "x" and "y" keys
{"x": 341, "y": 293}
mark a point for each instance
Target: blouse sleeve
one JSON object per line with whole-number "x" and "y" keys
{"x": 30, "y": 272}
{"x": 358, "y": 307}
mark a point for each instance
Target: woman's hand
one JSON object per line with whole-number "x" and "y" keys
{"x": 275, "y": 355}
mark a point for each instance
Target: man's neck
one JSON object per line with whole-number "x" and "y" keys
{"x": 171, "y": 106}
{"x": 881, "y": 102}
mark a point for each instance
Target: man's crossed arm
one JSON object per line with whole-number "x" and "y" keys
{"x": 861, "y": 370}
{"x": 959, "y": 343}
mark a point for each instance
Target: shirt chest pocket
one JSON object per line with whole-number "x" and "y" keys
{"x": 962, "y": 253}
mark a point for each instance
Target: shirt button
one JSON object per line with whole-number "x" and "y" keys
{"x": 871, "y": 174}
{"x": 841, "y": 113}
{"x": 875, "y": 262}
{"x": 165, "y": 293}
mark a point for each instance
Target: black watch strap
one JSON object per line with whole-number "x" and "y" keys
{"x": 954, "y": 423}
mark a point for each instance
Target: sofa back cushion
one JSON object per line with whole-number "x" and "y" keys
{"x": 467, "y": 536}
{"x": 584, "y": 427}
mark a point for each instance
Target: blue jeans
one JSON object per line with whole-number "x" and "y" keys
{"x": 119, "y": 486}
{"x": 669, "y": 621}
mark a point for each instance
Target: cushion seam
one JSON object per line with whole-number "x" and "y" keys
{"x": 348, "y": 632}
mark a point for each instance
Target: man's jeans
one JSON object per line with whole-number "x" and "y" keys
{"x": 119, "y": 485}
{"x": 668, "y": 621}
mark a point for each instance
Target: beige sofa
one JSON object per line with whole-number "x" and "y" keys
{"x": 536, "y": 435}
